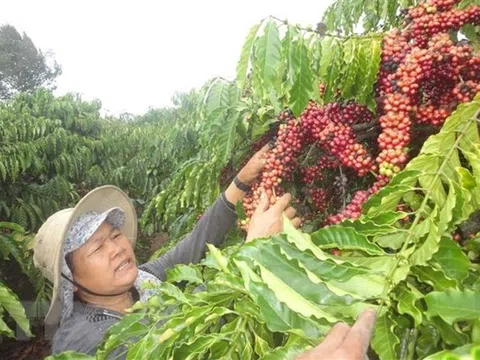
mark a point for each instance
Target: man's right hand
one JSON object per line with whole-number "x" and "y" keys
{"x": 343, "y": 342}
{"x": 266, "y": 222}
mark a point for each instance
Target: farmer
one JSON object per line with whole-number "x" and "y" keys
{"x": 87, "y": 253}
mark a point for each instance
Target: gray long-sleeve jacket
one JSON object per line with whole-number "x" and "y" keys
{"x": 86, "y": 328}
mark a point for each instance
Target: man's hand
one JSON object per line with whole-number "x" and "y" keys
{"x": 343, "y": 342}
{"x": 254, "y": 167}
{"x": 266, "y": 222}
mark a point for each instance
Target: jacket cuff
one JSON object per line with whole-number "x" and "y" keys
{"x": 227, "y": 203}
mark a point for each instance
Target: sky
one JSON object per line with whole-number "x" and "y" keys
{"x": 133, "y": 55}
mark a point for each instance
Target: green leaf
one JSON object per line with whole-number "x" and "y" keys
{"x": 426, "y": 250}
{"x": 226, "y": 135}
{"x": 451, "y": 260}
{"x": 288, "y": 352}
{"x": 70, "y": 355}
{"x": 9, "y": 301}
{"x": 216, "y": 259}
{"x": 302, "y": 89}
{"x": 385, "y": 342}
{"x": 217, "y": 100}
{"x": 304, "y": 279}
{"x": 278, "y": 316}
{"x": 344, "y": 238}
{"x": 367, "y": 227}
{"x": 453, "y": 305}
{"x": 392, "y": 240}
{"x": 330, "y": 65}
{"x": 268, "y": 56}
{"x": 433, "y": 277}
{"x": 407, "y": 296}
{"x": 289, "y": 49}
{"x": 469, "y": 351}
{"x": 428, "y": 340}
{"x": 123, "y": 333}
{"x": 243, "y": 62}
{"x": 187, "y": 273}
{"x": 326, "y": 269}
{"x": 449, "y": 333}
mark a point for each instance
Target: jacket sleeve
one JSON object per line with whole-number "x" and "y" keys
{"x": 211, "y": 228}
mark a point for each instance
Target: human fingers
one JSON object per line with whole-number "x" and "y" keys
{"x": 263, "y": 204}
{"x": 290, "y": 212}
{"x": 296, "y": 222}
{"x": 358, "y": 338}
{"x": 264, "y": 149}
{"x": 281, "y": 203}
{"x": 331, "y": 342}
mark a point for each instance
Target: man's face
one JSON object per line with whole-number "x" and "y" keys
{"x": 105, "y": 264}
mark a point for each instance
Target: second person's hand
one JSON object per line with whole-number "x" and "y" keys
{"x": 266, "y": 222}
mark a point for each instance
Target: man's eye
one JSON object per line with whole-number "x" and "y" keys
{"x": 116, "y": 235}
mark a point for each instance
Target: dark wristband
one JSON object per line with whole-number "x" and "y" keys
{"x": 241, "y": 185}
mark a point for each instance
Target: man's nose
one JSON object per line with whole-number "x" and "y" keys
{"x": 114, "y": 248}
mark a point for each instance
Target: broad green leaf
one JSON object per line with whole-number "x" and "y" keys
{"x": 385, "y": 342}
{"x": 216, "y": 258}
{"x": 425, "y": 251}
{"x": 330, "y": 65}
{"x": 187, "y": 273}
{"x": 302, "y": 89}
{"x": 288, "y": 49}
{"x": 217, "y": 100}
{"x": 326, "y": 269}
{"x": 278, "y": 316}
{"x": 407, "y": 297}
{"x": 393, "y": 240}
{"x": 385, "y": 200}
{"x": 286, "y": 352}
{"x": 350, "y": 67}
{"x": 245, "y": 54}
{"x": 226, "y": 135}
{"x": 344, "y": 238}
{"x": 369, "y": 65}
{"x": 430, "y": 180}
{"x": 70, "y": 355}
{"x": 4, "y": 329}
{"x": 469, "y": 351}
{"x": 9, "y": 301}
{"x": 451, "y": 260}
{"x": 449, "y": 333}
{"x": 268, "y": 56}
{"x": 433, "y": 277}
{"x": 11, "y": 226}
{"x": 446, "y": 213}
{"x": 197, "y": 346}
{"x": 388, "y": 217}
{"x": 453, "y": 305}
{"x": 127, "y": 329}
{"x": 289, "y": 281}
{"x": 294, "y": 347}
{"x": 367, "y": 227}
{"x": 428, "y": 340}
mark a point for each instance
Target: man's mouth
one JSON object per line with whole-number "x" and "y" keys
{"x": 125, "y": 264}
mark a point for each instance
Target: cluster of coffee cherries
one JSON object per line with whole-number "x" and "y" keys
{"x": 428, "y": 20}
{"x": 348, "y": 113}
{"x": 280, "y": 162}
{"x": 319, "y": 198}
{"x": 466, "y": 91}
{"x": 352, "y": 210}
{"x": 313, "y": 173}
